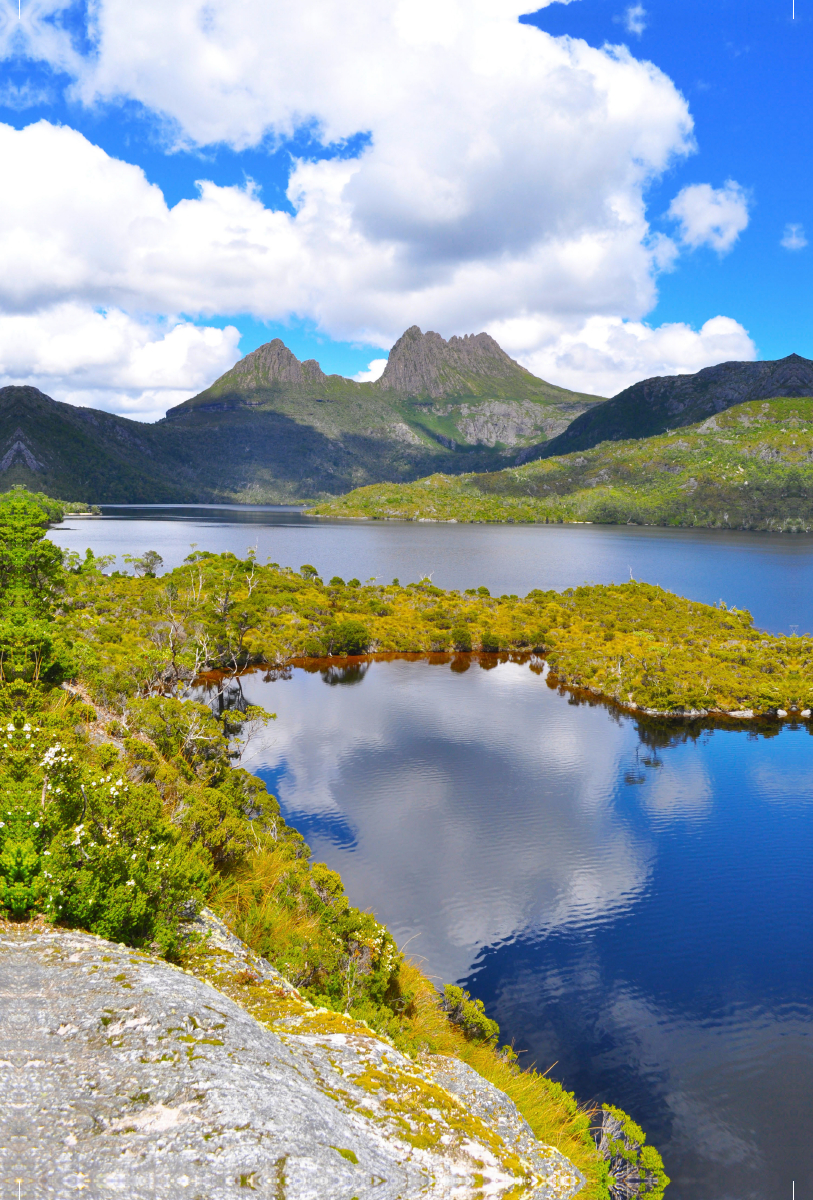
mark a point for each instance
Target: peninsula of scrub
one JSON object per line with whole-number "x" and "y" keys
{"x": 749, "y": 467}
{"x": 123, "y": 815}
{"x": 632, "y": 643}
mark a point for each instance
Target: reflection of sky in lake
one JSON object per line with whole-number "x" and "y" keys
{"x": 636, "y": 912}
{"x": 464, "y": 813}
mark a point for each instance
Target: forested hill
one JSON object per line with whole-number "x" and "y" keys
{"x": 672, "y": 401}
{"x": 276, "y": 429}
{"x": 748, "y": 467}
{"x": 82, "y": 453}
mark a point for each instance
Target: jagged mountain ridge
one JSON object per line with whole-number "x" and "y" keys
{"x": 420, "y": 366}
{"x": 275, "y": 429}
{"x": 666, "y": 402}
{"x": 426, "y": 365}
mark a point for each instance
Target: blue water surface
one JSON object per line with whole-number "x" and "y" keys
{"x": 771, "y": 575}
{"x": 631, "y": 900}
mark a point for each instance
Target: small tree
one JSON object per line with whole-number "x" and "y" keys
{"x": 147, "y": 564}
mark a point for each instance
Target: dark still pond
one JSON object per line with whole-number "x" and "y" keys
{"x": 769, "y": 574}
{"x": 634, "y": 906}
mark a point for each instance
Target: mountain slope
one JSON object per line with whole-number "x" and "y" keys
{"x": 274, "y": 429}
{"x": 465, "y": 395}
{"x": 747, "y": 467}
{"x": 77, "y": 453}
{"x": 672, "y": 401}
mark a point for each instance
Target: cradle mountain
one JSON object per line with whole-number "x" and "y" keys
{"x": 274, "y": 429}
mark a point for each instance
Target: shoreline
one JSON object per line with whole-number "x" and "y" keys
{"x": 713, "y": 717}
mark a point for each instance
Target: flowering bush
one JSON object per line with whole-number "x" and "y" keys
{"x": 88, "y": 848}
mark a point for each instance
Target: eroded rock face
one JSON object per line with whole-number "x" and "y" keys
{"x": 502, "y": 422}
{"x": 425, "y": 364}
{"x": 123, "y": 1076}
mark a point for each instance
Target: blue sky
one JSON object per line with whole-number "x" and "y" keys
{"x": 745, "y": 69}
{"x": 613, "y": 190}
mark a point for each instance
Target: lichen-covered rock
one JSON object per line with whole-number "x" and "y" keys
{"x": 124, "y": 1076}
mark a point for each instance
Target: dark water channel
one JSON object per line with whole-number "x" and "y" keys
{"x": 633, "y": 903}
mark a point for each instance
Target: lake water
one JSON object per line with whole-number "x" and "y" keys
{"x": 771, "y": 575}
{"x": 632, "y": 903}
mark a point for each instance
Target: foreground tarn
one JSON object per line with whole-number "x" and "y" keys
{"x": 123, "y": 1075}
{"x": 122, "y": 814}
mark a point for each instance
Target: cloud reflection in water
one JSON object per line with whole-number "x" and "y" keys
{"x": 631, "y": 906}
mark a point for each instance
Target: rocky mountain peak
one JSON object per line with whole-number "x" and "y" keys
{"x": 791, "y": 376}
{"x": 425, "y": 364}
{"x": 273, "y": 363}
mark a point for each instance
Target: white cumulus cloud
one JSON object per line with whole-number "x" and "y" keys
{"x": 604, "y": 355}
{"x": 374, "y": 371}
{"x": 502, "y": 174}
{"x": 794, "y": 237}
{"x": 110, "y": 360}
{"x": 711, "y": 216}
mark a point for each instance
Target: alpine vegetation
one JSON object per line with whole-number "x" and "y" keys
{"x": 124, "y": 812}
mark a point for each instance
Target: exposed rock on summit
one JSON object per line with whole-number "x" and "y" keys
{"x": 425, "y": 364}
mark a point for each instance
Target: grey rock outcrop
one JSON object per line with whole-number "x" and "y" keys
{"x": 273, "y": 363}
{"x": 123, "y": 1076}
{"x": 425, "y": 364}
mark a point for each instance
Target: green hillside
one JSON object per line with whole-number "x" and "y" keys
{"x": 748, "y": 467}
{"x": 81, "y": 454}
{"x": 668, "y": 402}
{"x": 458, "y": 405}
{"x": 274, "y": 429}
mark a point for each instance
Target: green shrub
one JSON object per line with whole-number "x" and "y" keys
{"x": 489, "y": 641}
{"x": 469, "y": 1014}
{"x": 314, "y": 647}
{"x": 87, "y": 848}
{"x": 348, "y": 637}
{"x": 461, "y": 637}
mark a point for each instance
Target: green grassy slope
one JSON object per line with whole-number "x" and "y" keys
{"x": 667, "y": 402}
{"x": 749, "y": 467}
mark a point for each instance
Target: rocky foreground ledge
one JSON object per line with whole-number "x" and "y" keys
{"x": 124, "y": 1076}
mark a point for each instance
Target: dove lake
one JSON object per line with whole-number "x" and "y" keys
{"x": 630, "y": 899}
